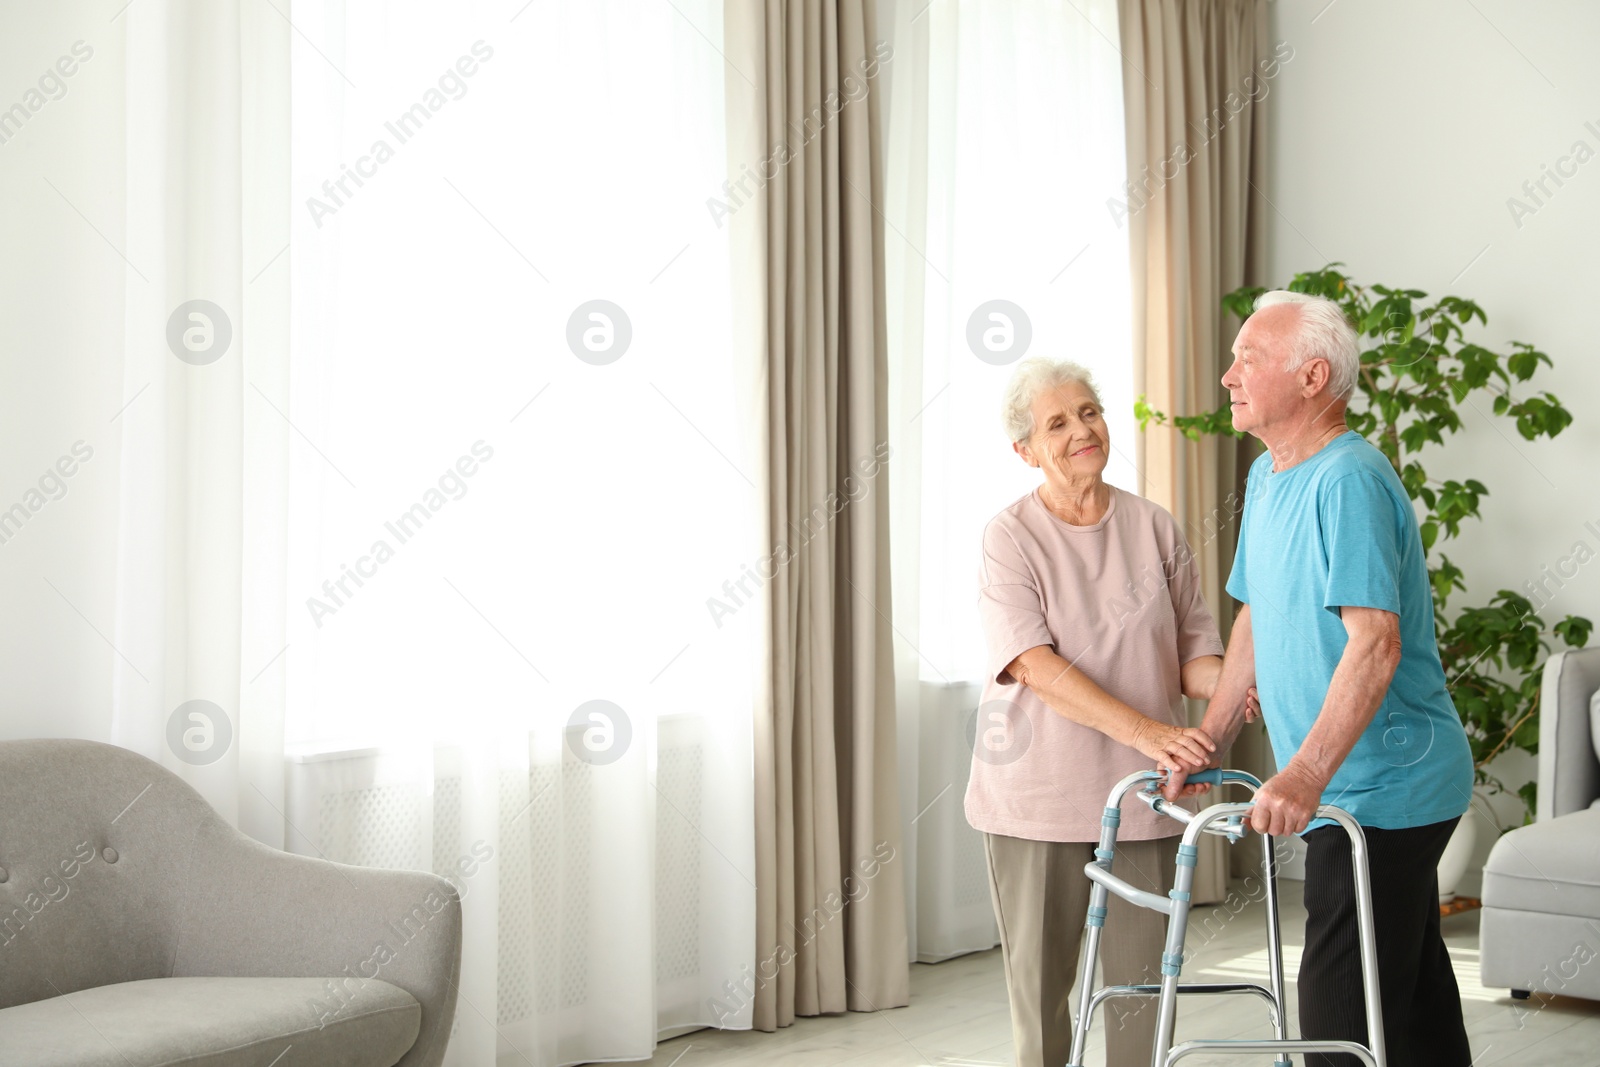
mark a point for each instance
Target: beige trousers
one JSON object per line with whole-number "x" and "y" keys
{"x": 1041, "y": 898}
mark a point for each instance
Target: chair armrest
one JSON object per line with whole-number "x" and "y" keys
{"x": 1569, "y": 767}
{"x": 252, "y": 911}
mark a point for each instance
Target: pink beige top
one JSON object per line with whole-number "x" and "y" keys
{"x": 1121, "y": 601}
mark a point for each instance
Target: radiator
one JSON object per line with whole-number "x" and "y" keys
{"x": 375, "y": 807}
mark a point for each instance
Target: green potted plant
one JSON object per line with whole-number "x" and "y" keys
{"x": 1418, "y": 369}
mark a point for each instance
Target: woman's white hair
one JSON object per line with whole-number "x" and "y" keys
{"x": 1032, "y": 377}
{"x": 1324, "y": 333}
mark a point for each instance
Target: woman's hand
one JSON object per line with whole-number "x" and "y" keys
{"x": 1175, "y": 788}
{"x": 1173, "y": 747}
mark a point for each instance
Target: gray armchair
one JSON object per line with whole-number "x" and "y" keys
{"x": 1541, "y": 885}
{"x": 137, "y": 927}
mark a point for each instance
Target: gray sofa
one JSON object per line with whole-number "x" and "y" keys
{"x": 138, "y": 928}
{"x": 1541, "y": 885}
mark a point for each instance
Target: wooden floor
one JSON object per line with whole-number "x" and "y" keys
{"x": 958, "y": 1014}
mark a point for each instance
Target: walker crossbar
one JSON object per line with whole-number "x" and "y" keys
{"x": 1281, "y": 1048}
{"x": 1230, "y": 821}
{"x": 1155, "y": 902}
{"x": 1106, "y": 992}
{"x": 1233, "y": 831}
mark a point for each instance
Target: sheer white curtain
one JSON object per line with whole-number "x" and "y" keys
{"x": 200, "y": 454}
{"x": 1005, "y": 145}
{"x": 522, "y": 470}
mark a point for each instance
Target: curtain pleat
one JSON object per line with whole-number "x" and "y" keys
{"x": 1195, "y": 81}
{"x": 831, "y": 928}
{"x": 201, "y": 572}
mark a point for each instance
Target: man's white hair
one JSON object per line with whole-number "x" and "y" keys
{"x": 1324, "y": 333}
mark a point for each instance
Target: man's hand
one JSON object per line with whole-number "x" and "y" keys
{"x": 1287, "y": 802}
{"x": 1176, "y": 786}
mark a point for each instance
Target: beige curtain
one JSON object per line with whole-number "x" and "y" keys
{"x": 1196, "y": 76}
{"x": 804, "y": 149}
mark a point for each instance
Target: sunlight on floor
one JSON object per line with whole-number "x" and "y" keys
{"x": 958, "y": 1015}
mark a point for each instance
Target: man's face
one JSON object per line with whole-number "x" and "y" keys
{"x": 1261, "y": 393}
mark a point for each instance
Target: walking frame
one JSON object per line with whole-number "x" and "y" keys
{"x": 1223, "y": 820}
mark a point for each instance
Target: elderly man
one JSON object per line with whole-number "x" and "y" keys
{"x": 1337, "y": 634}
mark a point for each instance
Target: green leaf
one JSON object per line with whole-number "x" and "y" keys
{"x": 1376, "y": 318}
{"x": 1530, "y": 795}
{"x": 1574, "y": 630}
{"x": 1527, "y": 735}
{"x": 1147, "y": 414}
{"x": 1241, "y": 302}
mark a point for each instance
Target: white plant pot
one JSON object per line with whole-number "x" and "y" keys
{"x": 1457, "y": 854}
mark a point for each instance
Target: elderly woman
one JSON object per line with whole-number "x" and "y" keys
{"x": 1096, "y": 630}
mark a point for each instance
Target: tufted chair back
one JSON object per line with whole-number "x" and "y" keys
{"x": 95, "y": 852}
{"x": 113, "y": 870}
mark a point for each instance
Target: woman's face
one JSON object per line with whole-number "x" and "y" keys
{"x": 1070, "y": 439}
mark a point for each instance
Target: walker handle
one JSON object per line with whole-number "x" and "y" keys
{"x": 1212, "y": 776}
{"x": 1233, "y": 830}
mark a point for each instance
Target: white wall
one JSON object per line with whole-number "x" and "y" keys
{"x": 60, "y": 380}
{"x": 1398, "y": 133}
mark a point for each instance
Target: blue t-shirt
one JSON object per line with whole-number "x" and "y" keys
{"x": 1337, "y": 530}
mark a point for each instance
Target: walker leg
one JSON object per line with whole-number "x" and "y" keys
{"x": 1269, "y": 866}
{"x": 1172, "y": 959}
{"x": 1091, "y": 953}
{"x": 1095, "y": 921}
{"x": 1369, "y": 942}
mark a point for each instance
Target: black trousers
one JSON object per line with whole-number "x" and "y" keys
{"x": 1422, "y": 1024}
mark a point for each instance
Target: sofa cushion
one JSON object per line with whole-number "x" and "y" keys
{"x": 1552, "y": 867}
{"x": 213, "y": 1022}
